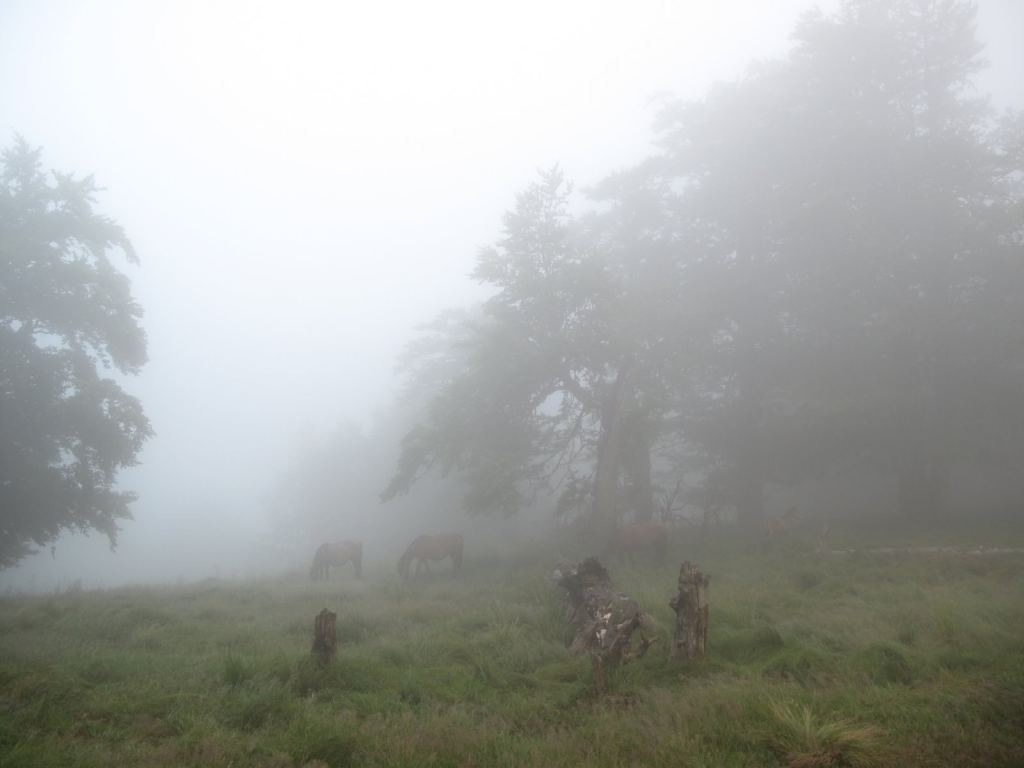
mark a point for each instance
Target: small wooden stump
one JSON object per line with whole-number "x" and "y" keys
{"x": 691, "y": 607}
{"x": 325, "y": 641}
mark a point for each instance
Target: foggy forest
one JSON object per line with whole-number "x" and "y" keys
{"x": 472, "y": 384}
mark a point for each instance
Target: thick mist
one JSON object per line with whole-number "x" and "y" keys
{"x": 306, "y": 186}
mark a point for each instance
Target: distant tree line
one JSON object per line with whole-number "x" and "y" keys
{"x": 820, "y": 269}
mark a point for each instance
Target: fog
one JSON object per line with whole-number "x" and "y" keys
{"x": 306, "y": 185}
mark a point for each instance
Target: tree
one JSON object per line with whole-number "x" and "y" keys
{"x": 821, "y": 268}
{"x": 856, "y": 219}
{"x": 66, "y": 316}
{"x": 558, "y": 380}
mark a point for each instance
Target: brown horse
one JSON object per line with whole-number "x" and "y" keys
{"x": 336, "y": 553}
{"x": 426, "y": 548}
{"x": 776, "y": 526}
{"x": 639, "y": 538}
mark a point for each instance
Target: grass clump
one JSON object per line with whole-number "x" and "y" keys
{"x": 804, "y": 740}
{"x": 884, "y": 664}
{"x": 252, "y": 708}
{"x": 320, "y": 741}
{"x": 750, "y": 644}
{"x": 235, "y": 671}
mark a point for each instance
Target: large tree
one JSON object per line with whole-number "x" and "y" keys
{"x": 67, "y": 317}
{"x": 559, "y": 380}
{"x": 861, "y": 233}
{"x": 821, "y": 268}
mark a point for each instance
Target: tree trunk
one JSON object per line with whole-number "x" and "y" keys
{"x": 751, "y": 321}
{"x": 637, "y": 463}
{"x": 750, "y": 490}
{"x": 324, "y": 638}
{"x": 691, "y": 607}
{"x": 609, "y": 449}
{"x": 750, "y": 473}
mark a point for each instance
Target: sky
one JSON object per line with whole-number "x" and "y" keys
{"x": 307, "y": 182}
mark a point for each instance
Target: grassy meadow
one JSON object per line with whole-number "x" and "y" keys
{"x": 815, "y": 660}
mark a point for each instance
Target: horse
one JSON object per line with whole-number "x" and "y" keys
{"x": 425, "y": 548}
{"x": 639, "y": 538}
{"x": 336, "y": 553}
{"x": 776, "y": 526}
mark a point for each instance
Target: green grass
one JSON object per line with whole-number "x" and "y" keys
{"x": 815, "y": 660}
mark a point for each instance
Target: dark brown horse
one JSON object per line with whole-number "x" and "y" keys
{"x": 426, "y": 548}
{"x": 639, "y": 539}
{"x": 336, "y": 553}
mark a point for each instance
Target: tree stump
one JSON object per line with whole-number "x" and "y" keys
{"x": 325, "y": 641}
{"x": 604, "y": 620}
{"x": 691, "y": 607}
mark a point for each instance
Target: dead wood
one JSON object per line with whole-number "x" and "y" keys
{"x": 603, "y": 620}
{"x": 691, "y": 607}
{"x": 324, "y": 638}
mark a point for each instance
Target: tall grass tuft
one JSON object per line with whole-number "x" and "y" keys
{"x": 804, "y": 740}
{"x": 235, "y": 671}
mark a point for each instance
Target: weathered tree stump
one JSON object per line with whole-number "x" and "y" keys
{"x": 325, "y": 641}
{"x": 604, "y": 620}
{"x": 691, "y": 607}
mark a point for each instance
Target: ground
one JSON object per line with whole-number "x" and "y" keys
{"x": 815, "y": 659}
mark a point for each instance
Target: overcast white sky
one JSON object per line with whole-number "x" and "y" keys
{"x": 306, "y": 182}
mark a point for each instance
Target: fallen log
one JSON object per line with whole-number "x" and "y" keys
{"x": 604, "y": 621}
{"x": 692, "y": 611}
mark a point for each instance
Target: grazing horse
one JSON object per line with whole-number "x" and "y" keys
{"x": 639, "y": 538}
{"x": 426, "y": 548}
{"x": 336, "y": 553}
{"x": 776, "y": 526}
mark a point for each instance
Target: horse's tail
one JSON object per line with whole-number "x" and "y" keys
{"x": 357, "y": 559}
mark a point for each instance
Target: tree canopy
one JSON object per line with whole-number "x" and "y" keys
{"x": 820, "y": 269}
{"x": 67, "y": 317}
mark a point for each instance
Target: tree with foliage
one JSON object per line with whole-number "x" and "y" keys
{"x": 558, "y": 380}
{"x": 854, "y": 214}
{"x": 821, "y": 268}
{"x": 66, "y": 316}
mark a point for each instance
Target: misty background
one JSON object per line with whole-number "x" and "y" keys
{"x": 305, "y": 186}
